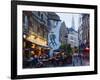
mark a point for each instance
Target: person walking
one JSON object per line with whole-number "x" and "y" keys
{"x": 75, "y": 59}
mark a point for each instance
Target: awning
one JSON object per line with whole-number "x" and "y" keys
{"x": 46, "y": 47}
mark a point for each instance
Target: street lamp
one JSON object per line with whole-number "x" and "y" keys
{"x": 24, "y": 36}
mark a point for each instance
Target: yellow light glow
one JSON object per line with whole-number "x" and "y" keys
{"x": 33, "y": 45}
{"x": 39, "y": 40}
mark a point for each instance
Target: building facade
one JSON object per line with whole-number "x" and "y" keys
{"x": 73, "y": 38}
{"x": 84, "y": 38}
{"x": 53, "y": 36}
{"x": 80, "y": 32}
{"x": 35, "y": 32}
{"x": 73, "y": 35}
{"x": 84, "y": 32}
{"x": 86, "y": 27}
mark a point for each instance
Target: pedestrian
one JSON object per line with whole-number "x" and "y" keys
{"x": 81, "y": 58}
{"x": 35, "y": 60}
{"x": 75, "y": 59}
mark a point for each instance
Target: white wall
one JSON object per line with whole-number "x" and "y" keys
{"x": 5, "y": 29}
{"x": 74, "y": 41}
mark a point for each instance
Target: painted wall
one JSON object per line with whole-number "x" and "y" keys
{"x": 54, "y": 31}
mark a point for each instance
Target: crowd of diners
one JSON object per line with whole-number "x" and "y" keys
{"x": 44, "y": 60}
{"x": 60, "y": 58}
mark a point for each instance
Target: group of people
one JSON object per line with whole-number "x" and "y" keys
{"x": 43, "y": 60}
{"x": 59, "y": 59}
{"x": 34, "y": 61}
{"x": 80, "y": 59}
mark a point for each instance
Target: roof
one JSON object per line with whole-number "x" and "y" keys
{"x": 63, "y": 24}
{"x": 71, "y": 29}
{"x": 53, "y": 16}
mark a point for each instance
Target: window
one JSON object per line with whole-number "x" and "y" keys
{"x": 36, "y": 26}
{"x": 41, "y": 31}
{"x": 71, "y": 37}
{"x": 25, "y": 21}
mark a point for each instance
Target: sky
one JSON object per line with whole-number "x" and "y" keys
{"x": 67, "y": 18}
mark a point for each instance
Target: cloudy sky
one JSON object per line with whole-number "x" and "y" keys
{"x": 67, "y": 18}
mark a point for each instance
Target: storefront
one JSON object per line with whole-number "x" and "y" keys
{"x": 35, "y": 45}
